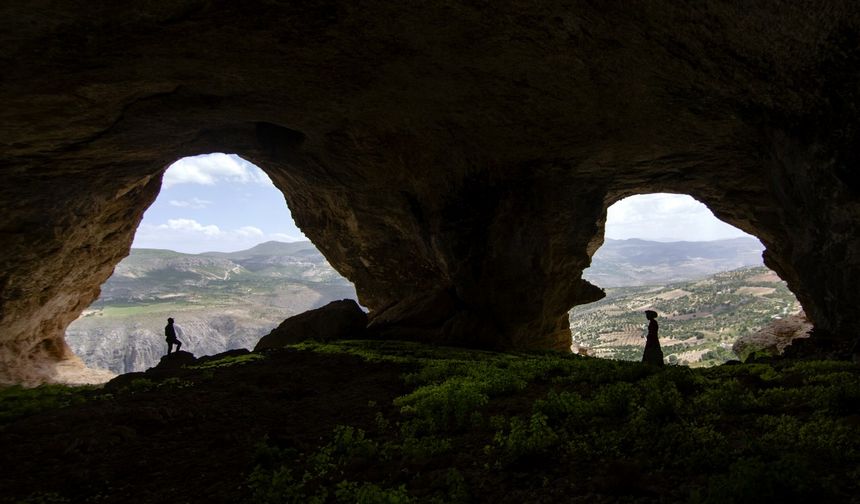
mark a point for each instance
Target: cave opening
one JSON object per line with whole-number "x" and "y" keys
{"x": 705, "y": 278}
{"x": 219, "y": 252}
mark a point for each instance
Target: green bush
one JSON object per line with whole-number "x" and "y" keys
{"x": 614, "y": 400}
{"x": 721, "y": 434}
{"x": 368, "y": 493}
{"x": 17, "y": 401}
{"x": 522, "y": 438}
{"x": 563, "y": 407}
{"x": 752, "y": 480}
{"x": 280, "y": 486}
{"x": 44, "y": 498}
{"x": 228, "y": 361}
{"x": 443, "y": 406}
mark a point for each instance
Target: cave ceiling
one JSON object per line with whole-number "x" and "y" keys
{"x": 453, "y": 159}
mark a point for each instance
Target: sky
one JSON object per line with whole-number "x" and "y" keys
{"x": 666, "y": 217}
{"x": 215, "y": 202}
{"x": 220, "y": 202}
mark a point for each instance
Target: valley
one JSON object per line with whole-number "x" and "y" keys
{"x": 224, "y": 301}
{"x": 221, "y": 301}
{"x": 699, "y": 320}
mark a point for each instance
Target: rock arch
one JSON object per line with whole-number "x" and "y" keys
{"x": 434, "y": 154}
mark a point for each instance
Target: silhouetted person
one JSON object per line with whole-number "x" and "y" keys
{"x": 170, "y": 333}
{"x": 653, "y": 353}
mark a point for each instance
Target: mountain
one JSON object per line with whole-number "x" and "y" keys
{"x": 221, "y": 300}
{"x": 699, "y": 320}
{"x": 226, "y": 300}
{"x": 636, "y": 262}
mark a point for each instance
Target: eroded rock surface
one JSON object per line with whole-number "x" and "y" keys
{"x": 448, "y": 156}
{"x": 772, "y": 339}
{"x": 336, "y": 320}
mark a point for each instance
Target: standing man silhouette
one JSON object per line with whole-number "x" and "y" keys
{"x": 653, "y": 353}
{"x": 170, "y": 333}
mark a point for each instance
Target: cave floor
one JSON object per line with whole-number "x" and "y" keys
{"x": 365, "y": 421}
{"x": 190, "y": 438}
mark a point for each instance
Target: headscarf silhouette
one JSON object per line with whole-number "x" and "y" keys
{"x": 653, "y": 353}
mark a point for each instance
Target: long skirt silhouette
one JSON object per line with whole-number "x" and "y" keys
{"x": 653, "y": 353}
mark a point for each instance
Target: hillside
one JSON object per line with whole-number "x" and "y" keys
{"x": 229, "y": 300}
{"x": 392, "y": 422}
{"x": 621, "y": 263}
{"x": 699, "y": 320}
{"x": 221, "y": 300}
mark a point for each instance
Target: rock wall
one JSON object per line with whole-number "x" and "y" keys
{"x": 454, "y": 160}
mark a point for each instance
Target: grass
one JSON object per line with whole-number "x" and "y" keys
{"x": 585, "y": 428}
{"x": 145, "y": 309}
{"x": 234, "y": 360}
{"x": 473, "y": 426}
{"x": 17, "y": 402}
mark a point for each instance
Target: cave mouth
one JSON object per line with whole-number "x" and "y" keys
{"x": 705, "y": 278}
{"x": 219, "y": 252}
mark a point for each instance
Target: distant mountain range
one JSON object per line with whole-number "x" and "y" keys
{"x": 634, "y": 262}
{"x": 221, "y": 300}
{"x": 699, "y": 319}
{"x": 229, "y": 300}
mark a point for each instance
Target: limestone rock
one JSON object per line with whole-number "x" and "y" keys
{"x": 459, "y": 147}
{"x": 773, "y": 338}
{"x": 142, "y": 345}
{"x": 336, "y": 320}
{"x": 176, "y": 360}
{"x": 174, "y": 365}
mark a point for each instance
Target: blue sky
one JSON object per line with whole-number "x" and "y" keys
{"x": 220, "y": 202}
{"x": 215, "y": 202}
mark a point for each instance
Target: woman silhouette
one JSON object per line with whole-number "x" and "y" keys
{"x": 653, "y": 353}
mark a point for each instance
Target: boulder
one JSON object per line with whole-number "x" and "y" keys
{"x": 170, "y": 366}
{"x": 772, "y": 339}
{"x": 336, "y": 320}
{"x": 176, "y": 360}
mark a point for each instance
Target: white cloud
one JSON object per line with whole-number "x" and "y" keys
{"x": 190, "y": 226}
{"x": 188, "y": 235}
{"x": 209, "y": 169}
{"x": 284, "y": 237}
{"x": 250, "y": 231}
{"x": 666, "y": 217}
{"x": 196, "y": 203}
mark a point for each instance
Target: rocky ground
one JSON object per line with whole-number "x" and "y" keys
{"x": 187, "y": 435}
{"x": 398, "y": 422}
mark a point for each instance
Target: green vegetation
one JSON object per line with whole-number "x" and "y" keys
{"x": 140, "y": 385}
{"x": 472, "y": 424}
{"x": 17, "y": 401}
{"x": 44, "y": 498}
{"x": 144, "y": 309}
{"x": 230, "y": 360}
{"x": 232, "y": 299}
{"x": 223, "y": 300}
{"x": 699, "y": 321}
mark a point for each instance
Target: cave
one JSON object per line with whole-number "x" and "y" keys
{"x": 704, "y": 278}
{"x": 217, "y": 251}
{"x": 454, "y": 161}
